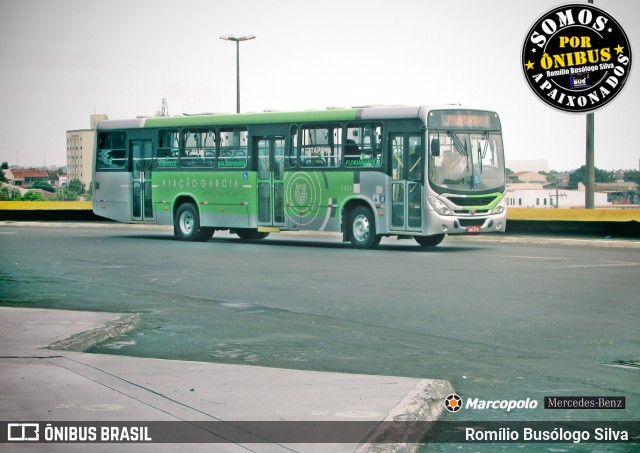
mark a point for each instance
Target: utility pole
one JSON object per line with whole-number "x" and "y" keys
{"x": 556, "y": 183}
{"x": 591, "y": 167}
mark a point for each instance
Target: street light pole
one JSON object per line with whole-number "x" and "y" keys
{"x": 237, "y": 40}
{"x": 591, "y": 166}
{"x": 590, "y": 180}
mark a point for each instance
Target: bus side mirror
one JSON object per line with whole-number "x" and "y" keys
{"x": 435, "y": 147}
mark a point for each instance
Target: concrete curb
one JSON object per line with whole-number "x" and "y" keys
{"x": 547, "y": 240}
{"x": 84, "y": 340}
{"x": 422, "y": 403}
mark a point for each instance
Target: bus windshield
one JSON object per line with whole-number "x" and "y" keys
{"x": 468, "y": 161}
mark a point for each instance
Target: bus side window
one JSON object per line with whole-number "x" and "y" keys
{"x": 292, "y": 155}
{"x": 416, "y": 163}
{"x": 199, "y": 148}
{"x": 233, "y": 148}
{"x": 363, "y": 146}
{"x": 112, "y": 152}
{"x": 321, "y": 146}
{"x": 168, "y": 149}
{"x": 351, "y": 149}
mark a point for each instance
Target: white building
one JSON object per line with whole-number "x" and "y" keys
{"x": 80, "y": 147}
{"x": 534, "y": 195}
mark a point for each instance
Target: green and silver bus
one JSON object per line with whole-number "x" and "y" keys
{"x": 420, "y": 172}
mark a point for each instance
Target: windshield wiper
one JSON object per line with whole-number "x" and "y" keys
{"x": 483, "y": 152}
{"x": 462, "y": 149}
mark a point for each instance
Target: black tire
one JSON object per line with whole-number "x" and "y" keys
{"x": 205, "y": 234}
{"x": 186, "y": 225}
{"x": 429, "y": 241}
{"x": 362, "y": 228}
{"x": 249, "y": 234}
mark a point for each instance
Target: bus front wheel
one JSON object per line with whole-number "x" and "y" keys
{"x": 429, "y": 241}
{"x": 187, "y": 225}
{"x": 363, "y": 228}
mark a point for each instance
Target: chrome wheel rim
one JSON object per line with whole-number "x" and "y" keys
{"x": 361, "y": 228}
{"x": 186, "y": 223}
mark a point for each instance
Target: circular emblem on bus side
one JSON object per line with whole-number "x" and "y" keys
{"x": 301, "y": 194}
{"x": 304, "y": 195}
{"x": 576, "y": 58}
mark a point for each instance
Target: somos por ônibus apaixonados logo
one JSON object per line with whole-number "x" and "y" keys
{"x": 576, "y": 58}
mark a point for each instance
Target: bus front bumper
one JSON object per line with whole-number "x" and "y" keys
{"x": 480, "y": 224}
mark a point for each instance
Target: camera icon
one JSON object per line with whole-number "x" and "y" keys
{"x": 23, "y": 432}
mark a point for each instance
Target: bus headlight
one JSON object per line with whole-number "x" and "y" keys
{"x": 502, "y": 206}
{"x": 439, "y": 206}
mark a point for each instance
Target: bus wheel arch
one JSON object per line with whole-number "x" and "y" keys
{"x": 186, "y": 222}
{"x": 359, "y": 225}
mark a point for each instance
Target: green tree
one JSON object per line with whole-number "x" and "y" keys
{"x": 76, "y": 186}
{"x": 551, "y": 174}
{"x": 8, "y": 193}
{"x": 580, "y": 175}
{"x": 4, "y": 166}
{"x": 44, "y": 186}
{"x": 65, "y": 194}
{"x": 33, "y": 196}
{"x": 632, "y": 176}
{"x": 72, "y": 191}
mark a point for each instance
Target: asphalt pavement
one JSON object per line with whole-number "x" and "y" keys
{"x": 501, "y": 317}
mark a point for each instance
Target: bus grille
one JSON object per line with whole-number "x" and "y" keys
{"x": 468, "y": 212}
{"x": 471, "y": 222}
{"x": 472, "y": 201}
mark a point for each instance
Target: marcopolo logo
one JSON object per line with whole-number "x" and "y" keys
{"x": 453, "y": 403}
{"x": 576, "y": 58}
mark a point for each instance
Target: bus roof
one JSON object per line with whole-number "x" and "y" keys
{"x": 309, "y": 116}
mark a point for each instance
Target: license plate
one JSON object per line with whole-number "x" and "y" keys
{"x": 473, "y": 229}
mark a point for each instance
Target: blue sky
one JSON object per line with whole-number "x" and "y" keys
{"x": 61, "y": 61}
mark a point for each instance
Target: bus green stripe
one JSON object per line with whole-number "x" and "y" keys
{"x": 254, "y": 118}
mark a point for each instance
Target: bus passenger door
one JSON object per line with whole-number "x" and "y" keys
{"x": 270, "y": 153}
{"x": 142, "y": 155}
{"x": 408, "y": 175}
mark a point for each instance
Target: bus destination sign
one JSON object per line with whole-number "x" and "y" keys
{"x": 466, "y": 120}
{"x": 460, "y": 119}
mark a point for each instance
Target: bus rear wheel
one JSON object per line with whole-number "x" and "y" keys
{"x": 248, "y": 234}
{"x": 363, "y": 229}
{"x": 429, "y": 241}
{"x": 187, "y": 225}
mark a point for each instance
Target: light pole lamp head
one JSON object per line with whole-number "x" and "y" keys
{"x": 237, "y": 38}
